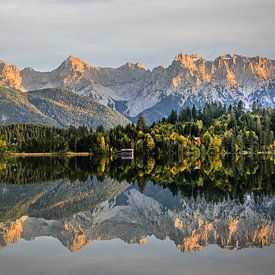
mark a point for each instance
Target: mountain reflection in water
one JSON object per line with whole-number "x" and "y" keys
{"x": 194, "y": 203}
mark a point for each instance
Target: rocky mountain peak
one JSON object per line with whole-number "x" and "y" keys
{"x": 140, "y": 65}
{"x": 76, "y": 64}
{"x": 28, "y": 69}
{"x": 262, "y": 68}
{"x": 133, "y": 66}
{"x": 10, "y": 76}
{"x": 188, "y": 61}
{"x": 227, "y": 56}
{"x": 184, "y": 57}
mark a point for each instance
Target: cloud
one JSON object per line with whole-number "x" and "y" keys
{"x": 42, "y": 33}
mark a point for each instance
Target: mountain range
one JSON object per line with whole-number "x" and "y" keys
{"x": 132, "y": 89}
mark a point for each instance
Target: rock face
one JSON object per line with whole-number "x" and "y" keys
{"x": 131, "y": 89}
{"x": 56, "y": 107}
{"x": 133, "y": 216}
{"x": 73, "y": 74}
{"x": 10, "y": 76}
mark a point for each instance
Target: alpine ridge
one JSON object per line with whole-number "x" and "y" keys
{"x": 131, "y": 89}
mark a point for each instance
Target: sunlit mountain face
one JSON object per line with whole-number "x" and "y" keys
{"x": 131, "y": 89}
{"x": 80, "y": 200}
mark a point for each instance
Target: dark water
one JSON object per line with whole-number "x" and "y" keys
{"x": 149, "y": 216}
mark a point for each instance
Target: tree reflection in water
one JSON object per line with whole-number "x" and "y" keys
{"x": 194, "y": 202}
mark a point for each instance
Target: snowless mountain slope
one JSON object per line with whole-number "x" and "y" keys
{"x": 56, "y": 107}
{"x": 131, "y": 89}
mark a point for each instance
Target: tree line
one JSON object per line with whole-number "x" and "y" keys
{"x": 214, "y": 129}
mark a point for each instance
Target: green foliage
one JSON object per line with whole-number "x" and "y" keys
{"x": 141, "y": 124}
{"x": 214, "y": 129}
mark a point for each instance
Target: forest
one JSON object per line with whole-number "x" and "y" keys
{"x": 214, "y": 129}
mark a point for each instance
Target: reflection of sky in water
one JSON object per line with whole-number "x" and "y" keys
{"x": 48, "y": 256}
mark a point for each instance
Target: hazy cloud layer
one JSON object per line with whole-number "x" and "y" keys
{"x": 42, "y": 33}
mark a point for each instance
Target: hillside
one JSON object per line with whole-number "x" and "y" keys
{"x": 57, "y": 107}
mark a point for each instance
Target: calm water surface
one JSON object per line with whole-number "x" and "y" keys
{"x": 96, "y": 216}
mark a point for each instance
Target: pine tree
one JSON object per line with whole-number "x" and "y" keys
{"x": 173, "y": 117}
{"x": 141, "y": 124}
{"x": 194, "y": 112}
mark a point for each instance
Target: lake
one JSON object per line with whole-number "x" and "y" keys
{"x": 95, "y": 215}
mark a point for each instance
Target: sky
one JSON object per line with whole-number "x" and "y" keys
{"x": 42, "y": 33}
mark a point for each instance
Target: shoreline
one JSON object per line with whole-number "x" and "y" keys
{"x": 50, "y": 154}
{"x": 86, "y": 154}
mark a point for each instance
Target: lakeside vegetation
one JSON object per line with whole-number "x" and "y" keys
{"x": 214, "y": 129}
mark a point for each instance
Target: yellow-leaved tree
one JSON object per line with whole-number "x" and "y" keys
{"x": 3, "y": 145}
